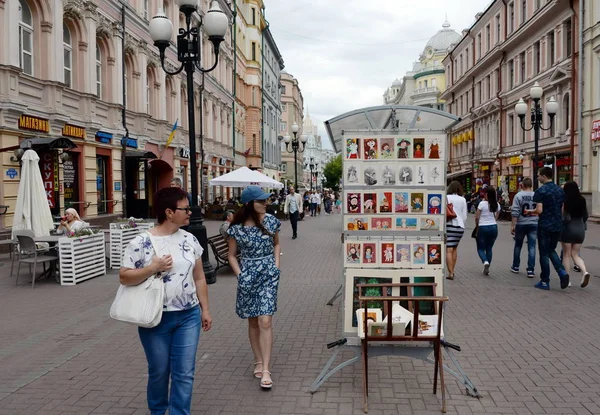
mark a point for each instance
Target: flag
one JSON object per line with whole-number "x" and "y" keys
{"x": 172, "y": 135}
{"x": 247, "y": 152}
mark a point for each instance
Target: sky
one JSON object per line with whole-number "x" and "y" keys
{"x": 345, "y": 53}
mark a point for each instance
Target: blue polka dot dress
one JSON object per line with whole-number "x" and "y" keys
{"x": 259, "y": 278}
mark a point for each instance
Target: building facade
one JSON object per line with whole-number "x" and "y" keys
{"x": 70, "y": 82}
{"x": 426, "y": 81}
{"x": 292, "y": 104}
{"x": 312, "y": 154}
{"x": 511, "y": 46}
{"x": 272, "y": 65}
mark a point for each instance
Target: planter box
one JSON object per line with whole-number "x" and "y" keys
{"x": 81, "y": 258}
{"x": 119, "y": 238}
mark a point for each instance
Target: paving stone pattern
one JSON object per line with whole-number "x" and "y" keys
{"x": 527, "y": 351}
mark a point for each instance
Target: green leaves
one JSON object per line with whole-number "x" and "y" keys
{"x": 333, "y": 173}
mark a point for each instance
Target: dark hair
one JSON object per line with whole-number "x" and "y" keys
{"x": 574, "y": 203}
{"x": 455, "y": 188}
{"x": 226, "y": 213}
{"x": 527, "y": 183}
{"x": 167, "y": 198}
{"x": 247, "y": 211}
{"x": 492, "y": 199}
{"x": 546, "y": 172}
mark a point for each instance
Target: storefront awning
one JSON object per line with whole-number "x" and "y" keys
{"x": 140, "y": 154}
{"x": 458, "y": 173}
{"x": 50, "y": 142}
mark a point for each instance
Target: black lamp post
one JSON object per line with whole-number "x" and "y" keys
{"x": 215, "y": 24}
{"x": 313, "y": 176}
{"x": 298, "y": 145}
{"x": 536, "y": 93}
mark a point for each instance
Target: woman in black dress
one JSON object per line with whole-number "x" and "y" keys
{"x": 575, "y": 215}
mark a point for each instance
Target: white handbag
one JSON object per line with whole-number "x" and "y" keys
{"x": 140, "y": 304}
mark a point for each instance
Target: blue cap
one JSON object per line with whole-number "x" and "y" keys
{"x": 251, "y": 193}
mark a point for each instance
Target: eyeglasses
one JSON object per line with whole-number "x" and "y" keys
{"x": 186, "y": 209}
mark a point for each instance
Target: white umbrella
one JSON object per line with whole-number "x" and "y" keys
{"x": 243, "y": 177}
{"x": 32, "y": 211}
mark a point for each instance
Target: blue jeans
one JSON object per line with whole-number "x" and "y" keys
{"x": 486, "y": 236}
{"x": 547, "y": 242}
{"x": 520, "y": 232}
{"x": 171, "y": 352}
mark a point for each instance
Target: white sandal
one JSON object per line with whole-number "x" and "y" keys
{"x": 257, "y": 373}
{"x": 266, "y": 383}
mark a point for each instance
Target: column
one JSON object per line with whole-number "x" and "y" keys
{"x": 89, "y": 81}
{"x": 51, "y": 45}
{"x": 117, "y": 72}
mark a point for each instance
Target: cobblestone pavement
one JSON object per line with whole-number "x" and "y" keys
{"x": 527, "y": 351}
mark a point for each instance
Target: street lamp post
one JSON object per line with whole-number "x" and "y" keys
{"x": 298, "y": 145}
{"x": 215, "y": 24}
{"x": 536, "y": 93}
{"x": 313, "y": 176}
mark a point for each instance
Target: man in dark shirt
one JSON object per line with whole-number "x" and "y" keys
{"x": 549, "y": 199}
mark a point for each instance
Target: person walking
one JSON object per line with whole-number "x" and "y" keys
{"x": 549, "y": 199}
{"x": 455, "y": 228}
{"x": 314, "y": 201}
{"x": 171, "y": 346}
{"x": 291, "y": 207}
{"x": 575, "y": 215}
{"x": 256, "y": 234}
{"x": 176, "y": 182}
{"x": 486, "y": 228}
{"x": 524, "y": 225}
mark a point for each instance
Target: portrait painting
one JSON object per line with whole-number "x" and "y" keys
{"x": 353, "y": 253}
{"x": 353, "y": 202}
{"x": 387, "y": 253}
{"x": 386, "y": 148}
{"x": 381, "y": 223}
{"x": 434, "y": 254}
{"x": 406, "y": 223}
{"x": 419, "y": 148}
{"x": 369, "y": 256}
{"x": 352, "y": 176}
{"x": 405, "y": 175}
{"x": 403, "y": 255}
{"x": 385, "y": 202}
{"x": 370, "y": 176}
{"x": 434, "y": 204}
{"x": 416, "y": 202}
{"x": 370, "y": 150}
{"x": 370, "y": 203}
{"x": 388, "y": 175}
{"x": 431, "y": 223}
{"x": 352, "y": 148}
{"x": 418, "y": 254}
{"x": 401, "y": 202}
{"x": 404, "y": 148}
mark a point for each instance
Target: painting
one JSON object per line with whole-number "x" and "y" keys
{"x": 352, "y": 175}
{"x": 435, "y": 173}
{"x": 401, "y": 202}
{"x": 404, "y": 148}
{"x": 403, "y": 255}
{"x": 369, "y": 203}
{"x": 381, "y": 223}
{"x": 353, "y": 253}
{"x": 416, "y": 202}
{"x": 386, "y": 148}
{"x": 434, "y": 204}
{"x": 405, "y": 223}
{"x": 434, "y": 148}
{"x": 418, "y": 254}
{"x": 352, "y": 148}
{"x": 373, "y": 316}
{"x": 419, "y": 148}
{"x": 369, "y": 253}
{"x": 387, "y": 254}
{"x": 357, "y": 224}
{"x": 405, "y": 175}
{"x": 434, "y": 254}
{"x": 388, "y": 175}
{"x": 370, "y": 176}
{"x": 421, "y": 176}
{"x": 431, "y": 223}
{"x": 370, "y": 150}
{"x": 353, "y": 202}
{"x": 385, "y": 202}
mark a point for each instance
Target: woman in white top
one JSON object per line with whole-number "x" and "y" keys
{"x": 486, "y": 227}
{"x": 71, "y": 222}
{"x": 455, "y": 228}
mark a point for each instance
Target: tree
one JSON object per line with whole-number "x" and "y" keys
{"x": 333, "y": 173}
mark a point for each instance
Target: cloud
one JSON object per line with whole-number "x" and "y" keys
{"x": 345, "y": 53}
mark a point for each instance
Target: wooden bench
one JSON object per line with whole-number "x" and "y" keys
{"x": 220, "y": 249}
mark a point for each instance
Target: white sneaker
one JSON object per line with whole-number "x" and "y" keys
{"x": 486, "y": 268}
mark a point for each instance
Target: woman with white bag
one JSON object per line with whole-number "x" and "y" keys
{"x": 175, "y": 256}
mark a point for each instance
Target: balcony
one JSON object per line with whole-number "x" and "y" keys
{"x": 423, "y": 96}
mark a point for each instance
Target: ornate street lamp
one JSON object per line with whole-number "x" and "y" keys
{"x": 536, "y": 93}
{"x": 215, "y": 24}
{"x": 298, "y": 145}
{"x": 313, "y": 176}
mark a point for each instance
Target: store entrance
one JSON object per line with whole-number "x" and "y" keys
{"x": 136, "y": 195}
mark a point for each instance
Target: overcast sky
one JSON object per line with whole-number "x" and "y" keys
{"x": 345, "y": 53}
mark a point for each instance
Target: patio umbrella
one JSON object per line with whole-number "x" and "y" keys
{"x": 243, "y": 177}
{"x": 32, "y": 211}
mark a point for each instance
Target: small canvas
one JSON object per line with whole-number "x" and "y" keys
{"x": 353, "y": 148}
{"x": 434, "y": 203}
{"x": 386, "y": 148}
{"x": 353, "y": 253}
{"x": 388, "y": 175}
{"x": 385, "y": 203}
{"x": 428, "y": 325}
{"x": 381, "y": 223}
{"x": 369, "y": 203}
{"x": 435, "y": 174}
{"x": 401, "y": 202}
{"x": 353, "y": 173}
{"x": 369, "y": 256}
{"x": 417, "y": 202}
{"x": 421, "y": 174}
{"x": 370, "y": 149}
{"x": 403, "y": 255}
{"x": 406, "y": 175}
{"x": 404, "y": 148}
{"x": 434, "y": 148}
{"x": 431, "y": 223}
{"x": 419, "y": 256}
{"x": 371, "y": 175}
{"x": 387, "y": 254}
{"x": 418, "y": 149}
{"x": 373, "y": 315}
{"x": 354, "y": 223}
{"x": 406, "y": 223}
{"x": 353, "y": 202}
{"x": 434, "y": 254}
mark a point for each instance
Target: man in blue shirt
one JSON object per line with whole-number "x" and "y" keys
{"x": 549, "y": 199}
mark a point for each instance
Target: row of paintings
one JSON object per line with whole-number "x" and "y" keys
{"x": 395, "y": 223}
{"x": 409, "y": 173}
{"x": 388, "y": 201}
{"x": 383, "y": 148}
{"x": 393, "y": 254}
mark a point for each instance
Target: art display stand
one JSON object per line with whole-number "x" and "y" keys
{"x": 394, "y": 249}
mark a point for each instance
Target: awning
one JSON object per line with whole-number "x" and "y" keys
{"x": 458, "y": 173}
{"x": 50, "y": 142}
{"x": 140, "y": 154}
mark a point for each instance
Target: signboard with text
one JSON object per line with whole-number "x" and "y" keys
{"x": 48, "y": 167}
{"x": 71, "y": 190}
{"x": 27, "y": 122}
{"x": 595, "y": 130}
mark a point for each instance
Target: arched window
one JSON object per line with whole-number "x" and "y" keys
{"x": 150, "y": 93}
{"x": 169, "y": 92}
{"x": 25, "y": 38}
{"x": 148, "y": 75}
{"x": 98, "y": 71}
{"x": 68, "y": 56}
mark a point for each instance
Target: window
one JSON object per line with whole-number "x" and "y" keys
{"x": 98, "y": 71}
{"x": 253, "y": 51}
{"x": 253, "y": 15}
{"x": 568, "y": 38}
{"x": 511, "y": 130}
{"x": 498, "y": 28}
{"x": 480, "y": 90}
{"x": 425, "y": 84}
{"x": 511, "y": 20}
{"x": 538, "y": 4}
{"x": 537, "y": 60}
{"x": 283, "y": 126}
{"x": 467, "y": 60}
{"x": 488, "y": 83}
{"x": 479, "y": 46}
{"x": 101, "y": 183}
{"x": 551, "y": 48}
{"x": 566, "y": 105}
{"x": 146, "y": 9}
{"x": 25, "y": 38}
{"x": 147, "y": 95}
{"x": 523, "y": 75}
{"x": 523, "y": 11}
{"x": 488, "y": 38}
{"x": 433, "y": 82}
{"x": 511, "y": 73}
{"x": 68, "y": 56}
{"x": 283, "y": 89}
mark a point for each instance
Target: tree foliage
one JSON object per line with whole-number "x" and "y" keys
{"x": 333, "y": 173}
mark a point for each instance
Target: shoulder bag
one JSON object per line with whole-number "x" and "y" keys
{"x": 142, "y": 304}
{"x": 450, "y": 213}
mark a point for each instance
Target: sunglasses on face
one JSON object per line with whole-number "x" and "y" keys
{"x": 186, "y": 209}
{"x": 264, "y": 202}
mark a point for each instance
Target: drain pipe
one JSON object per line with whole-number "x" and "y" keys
{"x": 581, "y": 100}
{"x": 123, "y": 116}
{"x": 575, "y": 83}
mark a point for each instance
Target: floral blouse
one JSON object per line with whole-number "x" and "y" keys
{"x": 180, "y": 289}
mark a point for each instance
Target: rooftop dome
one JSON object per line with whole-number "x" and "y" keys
{"x": 397, "y": 82}
{"x": 443, "y": 39}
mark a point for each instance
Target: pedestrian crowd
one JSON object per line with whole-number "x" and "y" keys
{"x": 545, "y": 217}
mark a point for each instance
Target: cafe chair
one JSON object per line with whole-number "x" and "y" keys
{"x": 12, "y": 243}
{"x": 29, "y": 253}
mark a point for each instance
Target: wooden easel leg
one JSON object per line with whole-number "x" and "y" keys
{"x": 442, "y": 385}
{"x": 436, "y": 353}
{"x": 365, "y": 355}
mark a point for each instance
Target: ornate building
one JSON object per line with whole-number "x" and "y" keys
{"x": 292, "y": 112}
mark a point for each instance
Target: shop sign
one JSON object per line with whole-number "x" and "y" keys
{"x": 596, "y": 130}
{"x": 71, "y": 192}
{"x": 563, "y": 161}
{"x": 49, "y": 176}
{"x": 130, "y": 142}
{"x": 12, "y": 173}
{"x": 117, "y": 186}
{"x": 73, "y": 131}
{"x": 184, "y": 152}
{"x": 27, "y": 122}
{"x": 516, "y": 160}
{"x": 485, "y": 167}
{"x": 103, "y": 137}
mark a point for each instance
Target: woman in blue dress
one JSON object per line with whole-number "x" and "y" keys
{"x": 256, "y": 235}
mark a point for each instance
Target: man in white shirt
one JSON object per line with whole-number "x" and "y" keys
{"x": 315, "y": 200}
{"x": 291, "y": 207}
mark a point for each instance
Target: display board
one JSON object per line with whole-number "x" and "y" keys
{"x": 394, "y": 207}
